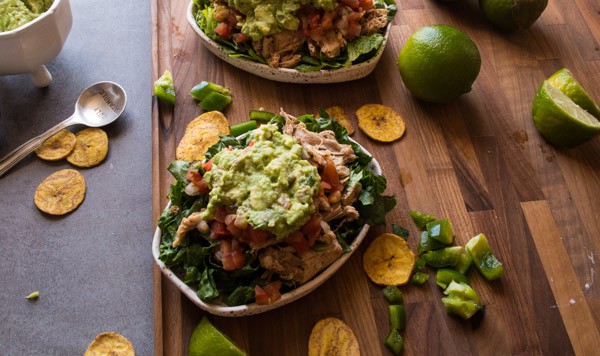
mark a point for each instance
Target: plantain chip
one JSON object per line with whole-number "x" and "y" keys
{"x": 57, "y": 146}
{"x": 196, "y": 141}
{"x": 211, "y": 117}
{"x": 338, "y": 114}
{"x": 332, "y": 337}
{"x": 90, "y": 149}
{"x": 110, "y": 344}
{"x": 380, "y": 122}
{"x": 61, "y": 192}
{"x": 388, "y": 260}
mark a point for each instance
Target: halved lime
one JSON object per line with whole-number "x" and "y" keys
{"x": 560, "y": 120}
{"x": 564, "y": 80}
{"x": 207, "y": 340}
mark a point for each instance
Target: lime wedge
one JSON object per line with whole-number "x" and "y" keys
{"x": 560, "y": 120}
{"x": 564, "y": 80}
{"x": 207, "y": 340}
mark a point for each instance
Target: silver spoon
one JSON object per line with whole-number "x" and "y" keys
{"x": 98, "y": 105}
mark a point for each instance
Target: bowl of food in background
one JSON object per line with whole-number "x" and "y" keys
{"x": 316, "y": 42}
{"x": 32, "y": 33}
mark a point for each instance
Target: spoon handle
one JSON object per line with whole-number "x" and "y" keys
{"x": 8, "y": 161}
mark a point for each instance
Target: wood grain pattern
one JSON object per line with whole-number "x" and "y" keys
{"x": 478, "y": 161}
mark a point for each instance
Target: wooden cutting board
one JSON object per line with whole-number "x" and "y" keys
{"x": 478, "y": 161}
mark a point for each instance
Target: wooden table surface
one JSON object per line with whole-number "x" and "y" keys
{"x": 478, "y": 161}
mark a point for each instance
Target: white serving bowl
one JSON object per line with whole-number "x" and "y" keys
{"x": 288, "y": 75}
{"x": 222, "y": 309}
{"x": 28, "y": 48}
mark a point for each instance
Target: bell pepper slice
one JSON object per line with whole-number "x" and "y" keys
{"x": 420, "y": 219}
{"x": 444, "y": 276}
{"x": 445, "y": 257}
{"x": 164, "y": 88}
{"x": 419, "y": 278}
{"x": 215, "y": 102}
{"x": 426, "y": 243}
{"x": 397, "y": 316}
{"x": 441, "y": 230}
{"x": 484, "y": 259}
{"x": 464, "y": 263}
{"x": 461, "y": 300}
{"x": 201, "y": 90}
{"x": 261, "y": 115}
{"x": 242, "y": 128}
{"x": 393, "y": 295}
{"x": 394, "y": 342}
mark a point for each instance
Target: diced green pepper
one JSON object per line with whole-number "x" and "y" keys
{"x": 419, "y": 264}
{"x": 426, "y": 243}
{"x": 444, "y": 276}
{"x": 393, "y": 295}
{"x": 164, "y": 88}
{"x": 394, "y": 342}
{"x": 201, "y": 90}
{"x": 445, "y": 257}
{"x": 397, "y": 317}
{"x": 483, "y": 258}
{"x": 215, "y": 101}
{"x": 242, "y": 128}
{"x": 461, "y": 300}
{"x": 261, "y": 115}
{"x": 419, "y": 278}
{"x": 464, "y": 263}
{"x": 420, "y": 219}
{"x": 441, "y": 230}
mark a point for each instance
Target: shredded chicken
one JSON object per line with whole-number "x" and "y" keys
{"x": 280, "y": 49}
{"x": 187, "y": 224}
{"x": 373, "y": 21}
{"x": 329, "y": 44}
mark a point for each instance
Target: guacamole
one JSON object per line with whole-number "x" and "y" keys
{"x": 16, "y": 13}
{"x": 266, "y": 17}
{"x": 272, "y": 187}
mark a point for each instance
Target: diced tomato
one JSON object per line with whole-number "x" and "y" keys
{"x": 218, "y": 229}
{"x": 221, "y": 213}
{"x": 258, "y": 237}
{"x": 366, "y": 4}
{"x": 352, "y": 3}
{"x": 327, "y": 20}
{"x": 208, "y": 165}
{"x": 196, "y": 179}
{"x": 329, "y": 177}
{"x": 231, "y": 255}
{"x": 312, "y": 229}
{"x": 223, "y": 30}
{"x": 298, "y": 242}
{"x": 239, "y": 38}
{"x": 267, "y": 294}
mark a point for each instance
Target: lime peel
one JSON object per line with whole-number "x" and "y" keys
{"x": 208, "y": 340}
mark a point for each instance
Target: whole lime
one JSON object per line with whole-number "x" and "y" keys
{"x": 512, "y": 15}
{"x": 439, "y": 63}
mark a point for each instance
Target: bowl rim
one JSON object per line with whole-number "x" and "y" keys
{"x": 365, "y": 67}
{"x": 286, "y": 298}
{"x": 15, "y": 32}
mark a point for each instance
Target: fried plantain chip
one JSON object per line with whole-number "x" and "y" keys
{"x": 196, "y": 141}
{"x": 57, "y": 146}
{"x": 110, "y": 344}
{"x": 90, "y": 149}
{"x": 61, "y": 192}
{"x": 332, "y": 337}
{"x": 388, "y": 260}
{"x": 338, "y": 114}
{"x": 380, "y": 122}
{"x": 212, "y": 117}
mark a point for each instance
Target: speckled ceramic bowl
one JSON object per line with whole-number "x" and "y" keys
{"x": 219, "y": 308}
{"x": 287, "y": 75}
{"x": 28, "y": 48}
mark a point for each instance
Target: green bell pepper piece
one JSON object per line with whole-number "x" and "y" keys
{"x": 393, "y": 295}
{"x": 242, "y": 128}
{"x": 201, "y": 90}
{"x": 484, "y": 259}
{"x": 464, "y": 263}
{"x": 461, "y": 300}
{"x": 261, "y": 115}
{"x": 420, "y": 219}
{"x": 419, "y": 278}
{"x": 445, "y": 257}
{"x": 441, "y": 230}
{"x": 164, "y": 88}
{"x": 397, "y": 316}
{"x": 444, "y": 276}
{"x": 419, "y": 264}
{"x": 426, "y": 243}
{"x": 394, "y": 342}
{"x": 215, "y": 101}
